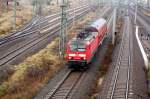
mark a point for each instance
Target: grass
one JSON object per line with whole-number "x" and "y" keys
{"x": 102, "y": 71}
{"x": 23, "y": 16}
{"x": 3, "y": 89}
{"x": 52, "y": 9}
{"x": 5, "y": 73}
{"x": 6, "y": 20}
{"x": 148, "y": 77}
{"x": 35, "y": 71}
{"x": 149, "y": 70}
{"x": 107, "y": 60}
{"x": 44, "y": 57}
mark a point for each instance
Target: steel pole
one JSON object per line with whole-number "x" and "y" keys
{"x": 14, "y": 16}
{"x": 74, "y": 14}
{"x": 114, "y": 26}
{"x": 49, "y": 1}
{"x": 34, "y": 8}
{"x": 63, "y": 30}
{"x": 148, "y": 3}
{"x": 57, "y": 2}
{"x": 99, "y": 4}
{"x": 135, "y": 17}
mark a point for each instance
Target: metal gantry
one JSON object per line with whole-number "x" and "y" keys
{"x": 63, "y": 30}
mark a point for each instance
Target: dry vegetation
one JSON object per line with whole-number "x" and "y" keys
{"x": 107, "y": 60}
{"x": 5, "y": 74}
{"x": 31, "y": 75}
{"x": 149, "y": 70}
{"x": 6, "y": 20}
{"x": 148, "y": 79}
{"x": 103, "y": 70}
{"x": 23, "y": 16}
{"x": 51, "y": 9}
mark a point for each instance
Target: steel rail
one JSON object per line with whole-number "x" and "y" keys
{"x": 30, "y": 31}
{"x": 36, "y": 19}
{"x": 118, "y": 61}
{"x": 68, "y": 90}
{"x": 129, "y": 62}
{"x": 5, "y": 59}
{"x": 49, "y": 95}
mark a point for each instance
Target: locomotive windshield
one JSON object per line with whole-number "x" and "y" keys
{"x": 77, "y": 46}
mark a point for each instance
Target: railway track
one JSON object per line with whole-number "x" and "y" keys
{"x": 125, "y": 78}
{"x": 50, "y": 33}
{"x": 6, "y": 58}
{"x": 40, "y": 24}
{"x": 118, "y": 79}
{"x": 121, "y": 75}
{"x": 145, "y": 39}
{"x": 69, "y": 85}
{"x": 144, "y": 31}
{"x": 65, "y": 88}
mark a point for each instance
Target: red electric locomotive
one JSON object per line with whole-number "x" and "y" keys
{"x": 81, "y": 49}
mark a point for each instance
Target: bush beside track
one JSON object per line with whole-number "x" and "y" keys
{"x": 31, "y": 75}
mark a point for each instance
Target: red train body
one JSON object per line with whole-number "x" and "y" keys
{"x": 81, "y": 49}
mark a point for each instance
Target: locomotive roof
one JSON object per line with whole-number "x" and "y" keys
{"x": 84, "y": 41}
{"x": 99, "y": 23}
{"x": 88, "y": 33}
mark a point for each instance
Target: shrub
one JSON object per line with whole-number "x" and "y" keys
{"x": 33, "y": 72}
{"x": 5, "y": 73}
{"x": 3, "y": 89}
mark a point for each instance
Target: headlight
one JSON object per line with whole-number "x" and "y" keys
{"x": 72, "y": 54}
{"x": 82, "y": 55}
{"x": 70, "y": 57}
